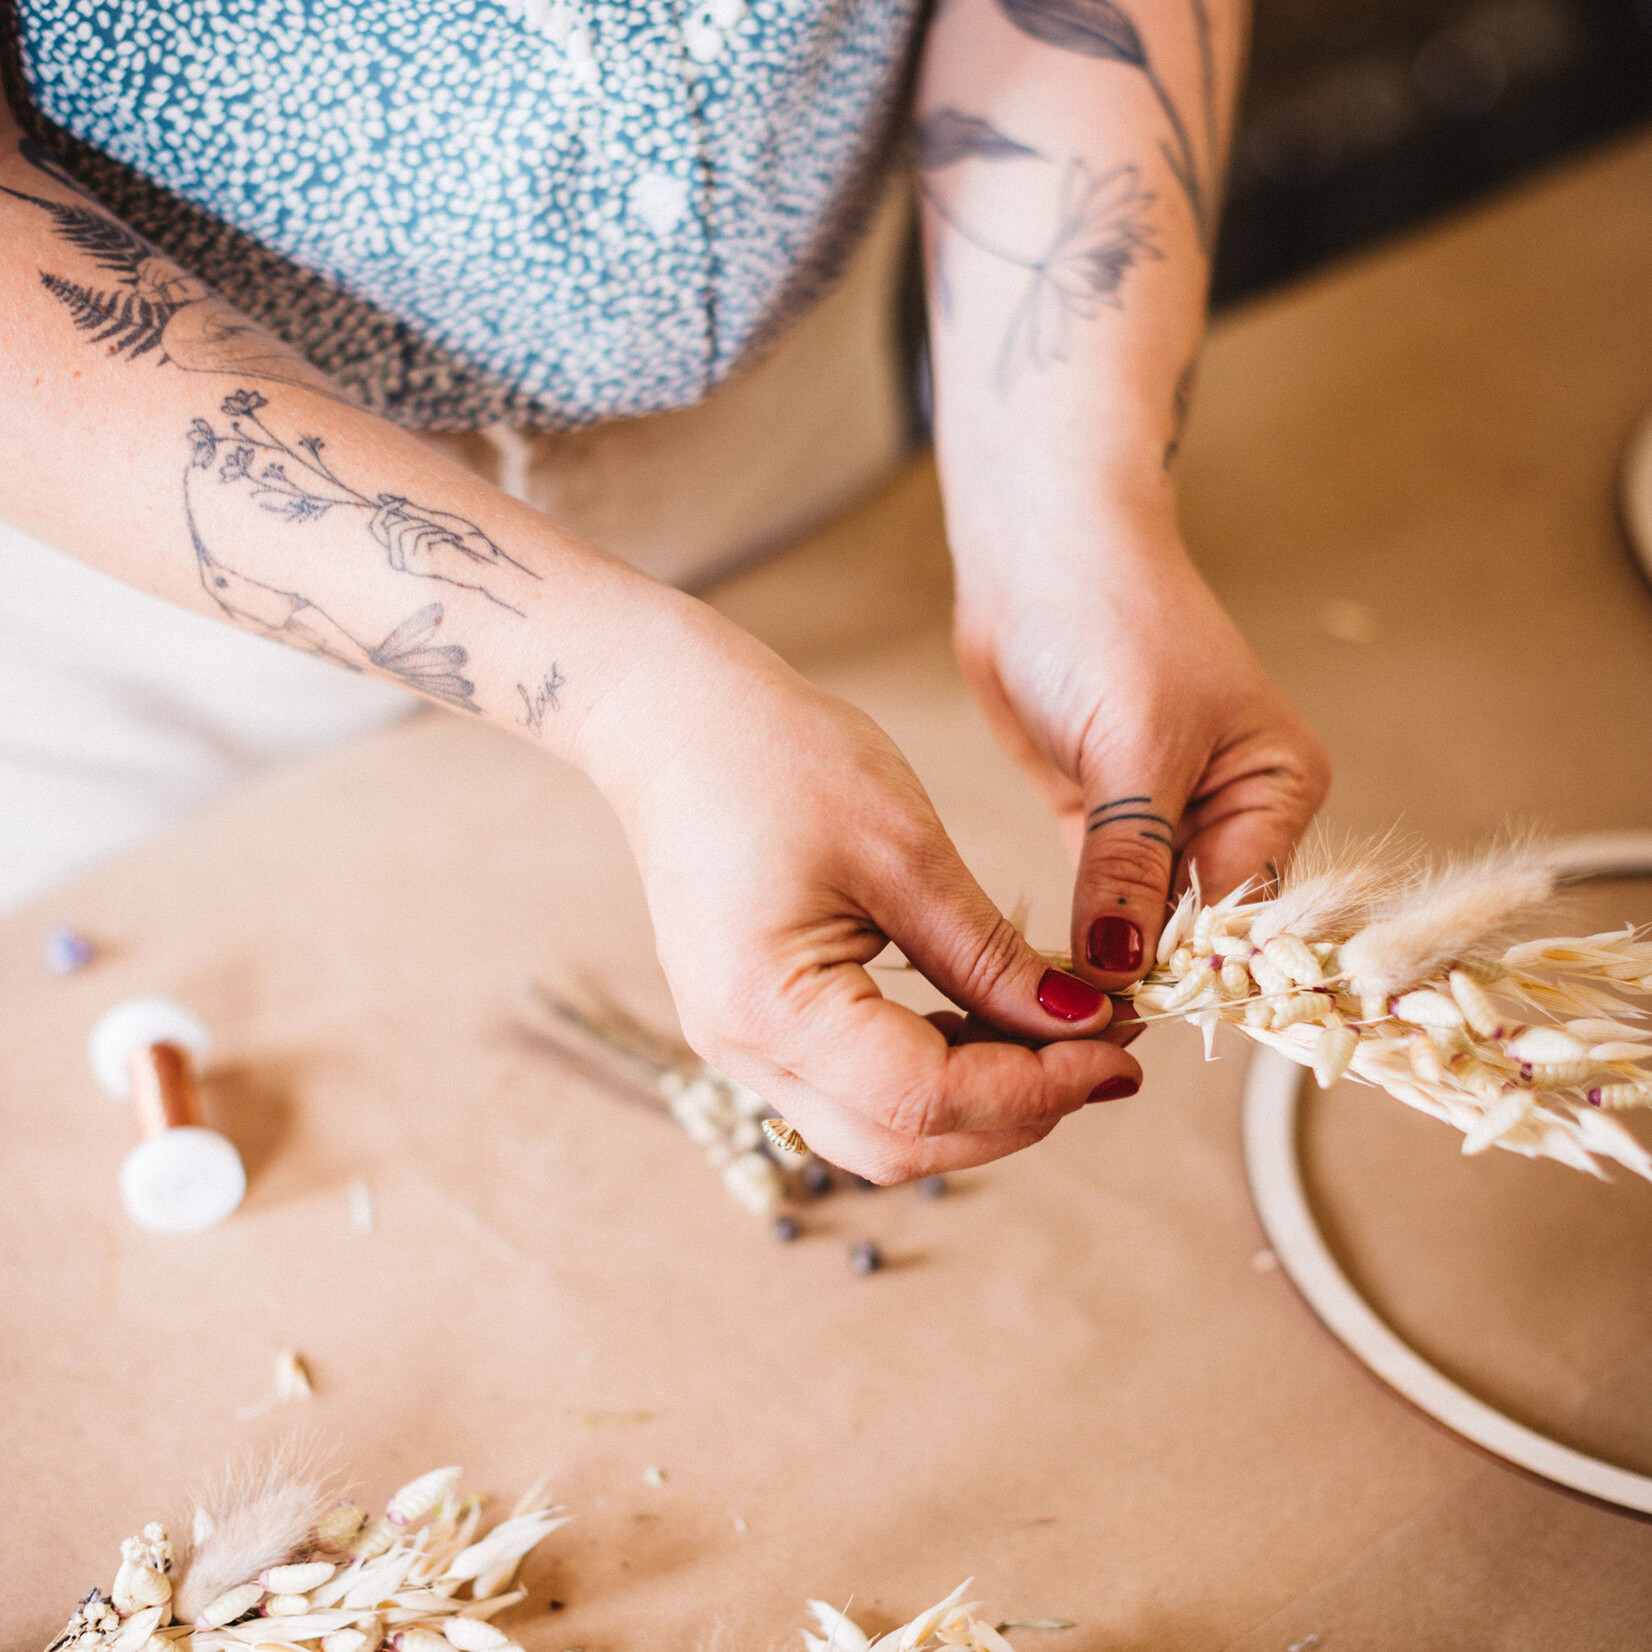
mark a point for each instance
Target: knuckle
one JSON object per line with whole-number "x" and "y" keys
{"x": 1126, "y": 863}
{"x": 993, "y": 960}
{"x": 917, "y": 1109}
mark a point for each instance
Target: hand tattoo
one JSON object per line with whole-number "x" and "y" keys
{"x": 1123, "y": 808}
{"x": 1100, "y": 29}
{"x": 1100, "y": 234}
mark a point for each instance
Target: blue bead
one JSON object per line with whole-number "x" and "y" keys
{"x": 68, "y": 950}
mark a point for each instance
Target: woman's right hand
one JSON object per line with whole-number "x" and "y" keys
{"x": 783, "y": 842}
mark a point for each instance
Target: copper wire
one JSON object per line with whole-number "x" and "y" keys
{"x": 163, "y": 1088}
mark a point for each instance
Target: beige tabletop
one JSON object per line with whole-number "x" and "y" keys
{"x": 1078, "y": 1379}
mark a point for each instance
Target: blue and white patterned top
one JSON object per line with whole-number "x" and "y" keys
{"x": 543, "y": 212}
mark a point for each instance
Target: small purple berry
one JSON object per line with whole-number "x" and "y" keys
{"x": 933, "y": 1187}
{"x": 68, "y": 950}
{"x": 816, "y": 1177}
{"x": 865, "y": 1258}
{"x": 785, "y": 1229}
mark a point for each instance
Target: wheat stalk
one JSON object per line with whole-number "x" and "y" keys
{"x": 272, "y": 1566}
{"x": 1369, "y": 966}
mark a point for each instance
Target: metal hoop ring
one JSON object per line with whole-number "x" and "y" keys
{"x": 1273, "y": 1094}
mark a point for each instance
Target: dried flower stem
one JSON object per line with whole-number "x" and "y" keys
{"x": 1406, "y": 979}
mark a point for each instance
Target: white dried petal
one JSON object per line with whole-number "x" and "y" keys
{"x": 310, "y": 1627}
{"x": 299, "y": 1579}
{"x": 418, "y": 1497}
{"x": 1236, "y": 981}
{"x": 1498, "y": 1121}
{"x": 287, "y": 1606}
{"x": 1558, "y": 1075}
{"x": 1545, "y": 1045}
{"x": 1231, "y": 946}
{"x": 138, "y": 1586}
{"x": 489, "y": 1606}
{"x": 233, "y": 1603}
{"x": 1619, "y": 1049}
{"x": 755, "y": 1182}
{"x": 418, "y": 1640}
{"x": 1478, "y": 1008}
{"x": 1425, "y": 1060}
{"x": 347, "y": 1640}
{"x": 494, "y": 1582}
{"x": 1303, "y": 1007}
{"x": 1177, "y": 929}
{"x": 474, "y": 1635}
{"x": 1291, "y": 958}
{"x": 1190, "y": 986}
{"x": 1181, "y": 961}
{"x": 138, "y": 1629}
{"x": 1428, "y": 1008}
{"x": 1258, "y": 1013}
{"x": 1333, "y": 1050}
{"x": 509, "y": 1540}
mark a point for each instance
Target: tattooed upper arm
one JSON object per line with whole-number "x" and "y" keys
{"x": 134, "y": 302}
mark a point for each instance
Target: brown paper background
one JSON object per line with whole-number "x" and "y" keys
{"x": 1072, "y": 1381}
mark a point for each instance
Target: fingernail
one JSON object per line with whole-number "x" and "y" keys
{"x": 1114, "y": 944}
{"x": 1115, "y": 1089}
{"x": 1066, "y": 997}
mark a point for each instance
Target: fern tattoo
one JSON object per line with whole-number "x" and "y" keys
{"x": 131, "y": 326}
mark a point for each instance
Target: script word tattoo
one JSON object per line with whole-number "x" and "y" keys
{"x": 1099, "y": 236}
{"x": 539, "y": 701}
{"x": 1103, "y": 30}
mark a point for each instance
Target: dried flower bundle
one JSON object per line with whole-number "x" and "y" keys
{"x": 715, "y": 1111}
{"x": 1408, "y": 978}
{"x": 948, "y": 1626}
{"x": 274, "y": 1563}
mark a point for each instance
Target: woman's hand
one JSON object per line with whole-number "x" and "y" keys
{"x": 783, "y": 842}
{"x": 1125, "y": 692}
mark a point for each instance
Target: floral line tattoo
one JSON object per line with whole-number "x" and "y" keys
{"x": 1100, "y": 29}
{"x": 300, "y": 487}
{"x": 1100, "y": 234}
{"x": 429, "y": 544}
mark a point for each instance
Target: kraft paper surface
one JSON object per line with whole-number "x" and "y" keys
{"x": 1078, "y": 1379}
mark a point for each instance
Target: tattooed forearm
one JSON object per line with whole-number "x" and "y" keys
{"x": 540, "y": 700}
{"x": 1100, "y": 29}
{"x": 1099, "y": 235}
{"x": 140, "y": 304}
{"x": 430, "y": 544}
{"x": 243, "y": 457}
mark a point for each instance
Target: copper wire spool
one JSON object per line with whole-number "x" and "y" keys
{"x": 163, "y": 1089}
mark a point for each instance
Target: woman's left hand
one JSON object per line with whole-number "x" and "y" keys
{"x": 1145, "y": 721}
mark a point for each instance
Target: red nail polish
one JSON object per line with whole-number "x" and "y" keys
{"x": 1115, "y": 1089}
{"x": 1114, "y": 944}
{"x": 1066, "y": 997}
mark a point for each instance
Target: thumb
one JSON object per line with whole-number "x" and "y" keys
{"x": 941, "y": 918}
{"x": 1124, "y": 873}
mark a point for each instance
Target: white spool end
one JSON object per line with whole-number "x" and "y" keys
{"x": 135, "y": 1025}
{"x": 182, "y": 1181}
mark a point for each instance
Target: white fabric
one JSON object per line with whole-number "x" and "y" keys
{"x": 120, "y": 714}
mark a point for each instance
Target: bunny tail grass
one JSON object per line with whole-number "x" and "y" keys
{"x": 259, "y": 1514}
